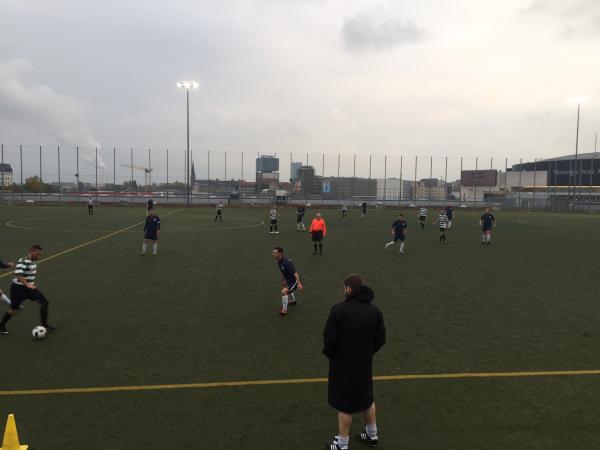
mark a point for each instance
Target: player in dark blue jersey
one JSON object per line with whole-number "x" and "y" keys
{"x": 487, "y": 222}
{"x": 291, "y": 279}
{"x": 151, "y": 231}
{"x": 450, "y": 215}
{"x": 363, "y": 212}
{"x": 399, "y": 232}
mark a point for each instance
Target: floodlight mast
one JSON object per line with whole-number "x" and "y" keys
{"x": 187, "y": 85}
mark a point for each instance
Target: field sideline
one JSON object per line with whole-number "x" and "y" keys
{"x": 204, "y": 311}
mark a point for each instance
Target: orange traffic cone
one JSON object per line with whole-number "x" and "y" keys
{"x": 11, "y": 437}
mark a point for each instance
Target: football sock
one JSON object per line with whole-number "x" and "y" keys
{"x": 5, "y": 299}
{"x": 315, "y": 246}
{"x": 292, "y": 297}
{"x": 5, "y": 319}
{"x": 343, "y": 441}
{"x": 320, "y": 248}
{"x": 284, "y": 301}
{"x": 422, "y": 226}
{"x": 371, "y": 430}
{"x": 488, "y": 237}
{"x": 144, "y": 246}
{"x": 402, "y": 247}
{"x": 44, "y": 315}
{"x": 483, "y": 238}
{"x": 155, "y": 247}
{"x": 270, "y": 228}
{"x": 275, "y": 227}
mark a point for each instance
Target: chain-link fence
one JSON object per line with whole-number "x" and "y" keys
{"x": 128, "y": 176}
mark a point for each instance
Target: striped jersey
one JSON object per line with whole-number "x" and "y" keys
{"x": 423, "y": 212}
{"x": 273, "y": 214}
{"x": 25, "y": 268}
{"x": 442, "y": 219}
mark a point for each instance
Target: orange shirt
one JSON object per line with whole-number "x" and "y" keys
{"x": 318, "y": 224}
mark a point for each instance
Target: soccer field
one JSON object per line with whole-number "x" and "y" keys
{"x": 205, "y": 310}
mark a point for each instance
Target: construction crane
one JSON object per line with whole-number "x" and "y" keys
{"x": 146, "y": 170}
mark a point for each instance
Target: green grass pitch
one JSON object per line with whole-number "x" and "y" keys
{"x": 206, "y": 310}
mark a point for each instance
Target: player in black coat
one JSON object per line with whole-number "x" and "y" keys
{"x": 354, "y": 332}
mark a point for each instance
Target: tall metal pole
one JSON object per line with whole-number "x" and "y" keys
{"x": 384, "y": 179}
{"x": 353, "y": 180}
{"x": 534, "y": 179}
{"x": 475, "y": 183}
{"x": 150, "y": 170}
{"x": 446, "y": 181}
{"x": 461, "y": 170}
{"x": 401, "y": 183}
{"x": 242, "y": 165}
{"x": 430, "y": 176}
{"x": 208, "y": 179}
{"x": 225, "y": 169}
{"x": 520, "y": 179}
{"x": 370, "y": 158}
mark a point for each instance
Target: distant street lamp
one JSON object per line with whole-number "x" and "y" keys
{"x": 187, "y": 85}
{"x": 577, "y": 101}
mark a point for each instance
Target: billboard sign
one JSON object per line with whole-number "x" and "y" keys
{"x": 479, "y": 177}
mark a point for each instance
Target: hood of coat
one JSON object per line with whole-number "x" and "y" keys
{"x": 362, "y": 294}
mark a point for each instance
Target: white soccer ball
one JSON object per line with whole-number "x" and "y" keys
{"x": 38, "y": 333}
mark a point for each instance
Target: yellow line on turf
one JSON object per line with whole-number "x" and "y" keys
{"x": 161, "y": 387}
{"x": 85, "y": 244}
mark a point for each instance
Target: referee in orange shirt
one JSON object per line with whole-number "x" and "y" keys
{"x": 318, "y": 230}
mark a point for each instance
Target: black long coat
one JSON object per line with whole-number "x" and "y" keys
{"x": 353, "y": 333}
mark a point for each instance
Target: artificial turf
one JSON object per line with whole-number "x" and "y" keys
{"x": 205, "y": 310}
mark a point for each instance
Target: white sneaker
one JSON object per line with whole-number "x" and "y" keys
{"x": 388, "y": 244}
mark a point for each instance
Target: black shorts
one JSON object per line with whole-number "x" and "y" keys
{"x": 218, "y": 212}
{"x": 90, "y": 206}
{"x": 442, "y": 230}
{"x": 18, "y": 294}
{"x": 291, "y": 285}
{"x": 273, "y": 221}
{"x": 317, "y": 236}
{"x": 399, "y": 237}
{"x": 299, "y": 219}
{"x": 486, "y": 229}
{"x": 422, "y": 218}
{"x": 151, "y": 236}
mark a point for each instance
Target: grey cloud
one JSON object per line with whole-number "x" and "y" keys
{"x": 57, "y": 116}
{"x": 580, "y": 18}
{"x": 364, "y": 32}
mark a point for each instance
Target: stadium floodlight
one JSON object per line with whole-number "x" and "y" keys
{"x": 579, "y": 100}
{"x": 187, "y": 85}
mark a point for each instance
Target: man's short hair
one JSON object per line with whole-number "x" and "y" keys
{"x": 353, "y": 281}
{"x": 35, "y": 247}
{"x": 278, "y": 249}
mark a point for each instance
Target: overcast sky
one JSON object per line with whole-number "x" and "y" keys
{"x": 443, "y": 77}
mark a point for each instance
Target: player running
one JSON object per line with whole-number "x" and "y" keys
{"x": 487, "y": 222}
{"x": 151, "y": 232}
{"x": 219, "y": 212}
{"x": 442, "y": 219}
{"x": 300, "y": 218}
{"x": 273, "y": 220}
{"x": 450, "y": 214}
{"x": 23, "y": 288}
{"x": 291, "y": 280}
{"x": 363, "y": 212}
{"x": 318, "y": 230}
{"x": 423, "y": 211}
{"x": 399, "y": 232}
{"x": 344, "y": 210}
{"x": 90, "y": 206}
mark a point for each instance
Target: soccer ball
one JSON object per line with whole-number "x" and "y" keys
{"x": 38, "y": 333}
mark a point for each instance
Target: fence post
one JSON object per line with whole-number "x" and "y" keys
{"x": 401, "y": 193}
{"x": 131, "y": 158}
{"x": 167, "y": 185}
{"x": 21, "y": 168}
{"x": 520, "y": 180}
{"x": 96, "y": 174}
{"x": 41, "y": 173}
{"x": 384, "y": 179}
{"x": 59, "y": 184}
{"x": 415, "y": 183}
{"x": 114, "y": 175}
{"x": 461, "y": 186}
